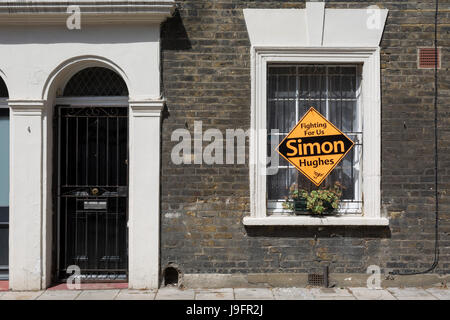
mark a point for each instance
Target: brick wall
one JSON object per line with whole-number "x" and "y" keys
{"x": 206, "y": 77}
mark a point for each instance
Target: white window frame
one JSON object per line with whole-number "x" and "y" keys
{"x": 369, "y": 57}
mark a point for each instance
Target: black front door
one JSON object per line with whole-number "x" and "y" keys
{"x": 92, "y": 191}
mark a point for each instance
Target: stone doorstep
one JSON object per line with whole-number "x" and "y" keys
{"x": 93, "y": 286}
{"x": 4, "y": 285}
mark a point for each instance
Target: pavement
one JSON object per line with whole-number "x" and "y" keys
{"x": 172, "y": 293}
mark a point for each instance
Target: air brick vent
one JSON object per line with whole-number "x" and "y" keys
{"x": 427, "y": 58}
{"x": 317, "y": 279}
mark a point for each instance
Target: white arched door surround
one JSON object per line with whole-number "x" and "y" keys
{"x": 38, "y": 68}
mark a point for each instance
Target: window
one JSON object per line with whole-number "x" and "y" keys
{"x": 96, "y": 81}
{"x": 329, "y": 59}
{"x": 334, "y": 91}
{"x": 345, "y": 86}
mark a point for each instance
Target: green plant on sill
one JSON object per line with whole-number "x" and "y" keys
{"x": 325, "y": 199}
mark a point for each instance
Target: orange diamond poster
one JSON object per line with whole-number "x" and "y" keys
{"x": 315, "y": 146}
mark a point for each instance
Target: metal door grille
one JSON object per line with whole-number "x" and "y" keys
{"x": 95, "y": 81}
{"x": 3, "y": 89}
{"x": 4, "y": 191}
{"x": 92, "y": 191}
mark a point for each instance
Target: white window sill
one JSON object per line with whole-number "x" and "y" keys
{"x": 316, "y": 221}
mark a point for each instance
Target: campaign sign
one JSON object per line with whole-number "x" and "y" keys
{"x": 315, "y": 146}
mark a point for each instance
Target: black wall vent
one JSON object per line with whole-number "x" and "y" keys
{"x": 318, "y": 279}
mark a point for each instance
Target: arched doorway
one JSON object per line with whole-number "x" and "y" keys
{"x": 91, "y": 176}
{"x": 4, "y": 181}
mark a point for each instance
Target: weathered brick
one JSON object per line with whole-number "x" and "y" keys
{"x": 205, "y": 60}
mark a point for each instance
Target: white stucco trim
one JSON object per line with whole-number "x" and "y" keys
{"x": 59, "y": 77}
{"x": 18, "y": 105}
{"x": 93, "y": 101}
{"x": 316, "y": 221}
{"x": 26, "y": 201}
{"x": 315, "y": 16}
{"x": 287, "y": 36}
{"x": 315, "y": 26}
{"x": 144, "y": 209}
{"x": 93, "y": 11}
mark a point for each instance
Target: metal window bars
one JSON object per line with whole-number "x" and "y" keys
{"x": 334, "y": 91}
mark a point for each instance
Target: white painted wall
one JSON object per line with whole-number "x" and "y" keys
{"x": 33, "y": 54}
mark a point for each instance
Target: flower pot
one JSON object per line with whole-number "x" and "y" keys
{"x": 328, "y": 207}
{"x": 301, "y": 209}
{"x": 300, "y": 206}
{"x": 329, "y": 210}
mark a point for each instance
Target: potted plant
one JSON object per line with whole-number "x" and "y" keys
{"x": 316, "y": 202}
{"x": 297, "y": 200}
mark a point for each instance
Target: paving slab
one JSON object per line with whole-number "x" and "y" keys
{"x": 175, "y": 294}
{"x": 292, "y": 294}
{"x": 331, "y": 294}
{"x": 371, "y": 294}
{"x": 98, "y": 294}
{"x": 214, "y": 294}
{"x": 59, "y": 295}
{"x": 20, "y": 295}
{"x": 253, "y": 294}
{"x": 440, "y": 293}
{"x": 411, "y": 294}
{"x": 136, "y": 295}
